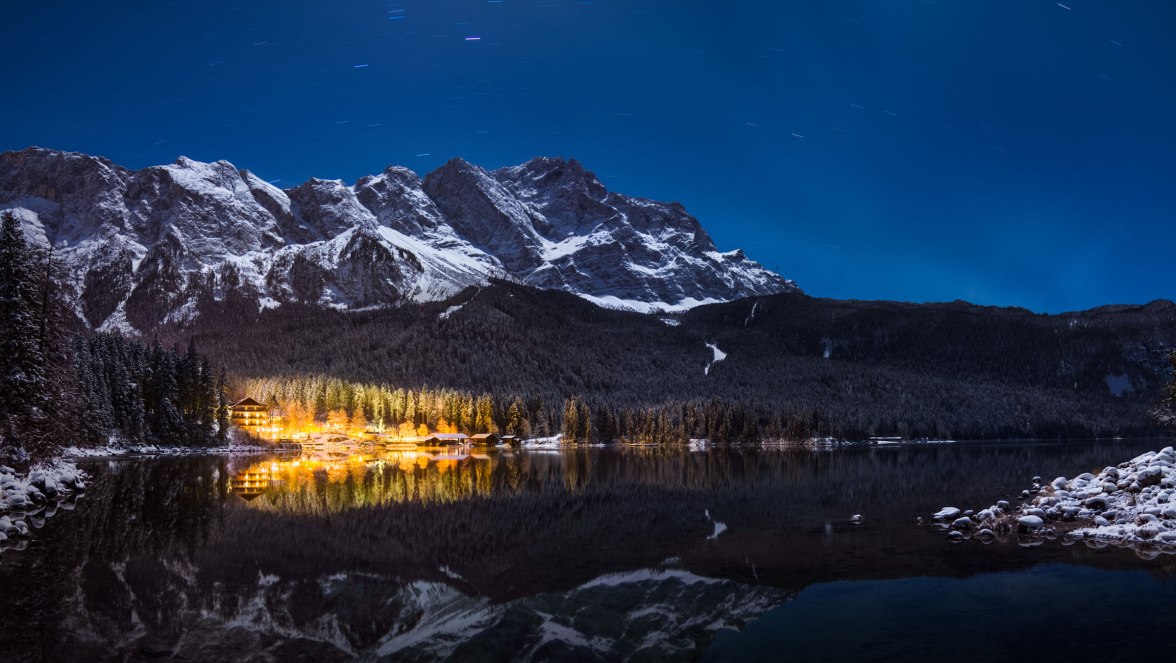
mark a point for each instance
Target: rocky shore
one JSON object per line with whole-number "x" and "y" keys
{"x": 28, "y": 500}
{"x": 1132, "y": 504}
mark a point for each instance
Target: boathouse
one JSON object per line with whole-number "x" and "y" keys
{"x": 486, "y": 439}
{"x": 445, "y": 439}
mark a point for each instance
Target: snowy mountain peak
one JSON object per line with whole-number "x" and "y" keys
{"x": 144, "y": 247}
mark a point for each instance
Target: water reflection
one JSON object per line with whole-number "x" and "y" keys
{"x": 323, "y": 481}
{"x": 429, "y": 554}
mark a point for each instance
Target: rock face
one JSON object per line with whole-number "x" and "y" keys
{"x": 145, "y": 247}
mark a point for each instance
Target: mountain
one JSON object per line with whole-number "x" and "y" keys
{"x": 155, "y": 245}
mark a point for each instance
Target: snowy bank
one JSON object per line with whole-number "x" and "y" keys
{"x": 1132, "y": 504}
{"x": 30, "y": 499}
{"x": 556, "y": 443}
{"x": 155, "y": 450}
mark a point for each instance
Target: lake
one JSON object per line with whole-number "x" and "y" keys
{"x": 583, "y": 554}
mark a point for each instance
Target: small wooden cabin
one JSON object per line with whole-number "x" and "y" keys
{"x": 484, "y": 439}
{"x": 446, "y": 439}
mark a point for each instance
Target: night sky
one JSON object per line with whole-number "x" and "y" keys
{"x": 1008, "y": 152}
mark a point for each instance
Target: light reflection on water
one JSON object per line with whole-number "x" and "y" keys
{"x": 354, "y": 552}
{"x": 318, "y": 481}
{"x": 346, "y": 478}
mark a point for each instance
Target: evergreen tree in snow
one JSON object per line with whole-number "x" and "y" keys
{"x": 23, "y": 388}
{"x": 222, "y": 407}
{"x": 516, "y": 419}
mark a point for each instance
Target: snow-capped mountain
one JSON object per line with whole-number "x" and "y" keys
{"x": 148, "y": 246}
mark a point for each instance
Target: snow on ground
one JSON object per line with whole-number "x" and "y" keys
{"x": 719, "y": 527}
{"x": 27, "y": 500}
{"x": 1132, "y": 504}
{"x": 444, "y": 315}
{"x": 155, "y": 450}
{"x": 719, "y": 356}
{"x": 751, "y": 316}
{"x": 614, "y": 302}
{"x": 552, "y": 442}
{"x": 555, "y": 442}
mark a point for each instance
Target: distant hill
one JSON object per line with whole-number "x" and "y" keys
{"x": 873, "y": 368}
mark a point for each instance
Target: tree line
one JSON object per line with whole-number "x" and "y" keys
{"x": 320, "y": 397}
{"x": 131, "y": 392}
{"x": 359, "y": 405}
{"x": 60, "y": 388}
{"x": 36, "y": 376}
{"x": 915, "y": 371}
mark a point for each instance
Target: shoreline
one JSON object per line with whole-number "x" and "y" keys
{"x": 1131, "y": 505}
{"x": 28, "y": 500}
{"x": 117, "y": 451}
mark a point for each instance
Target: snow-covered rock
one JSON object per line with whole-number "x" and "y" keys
{"x": 1133, "y": 504}
{"x": 947, "y": 513}
{"x": 1030, "y": 522}
{"x": 157, "y": 450}
{"x": 147, "y": 246}
{"x": 963, "y": 522}
{"x": 34, "y": 497}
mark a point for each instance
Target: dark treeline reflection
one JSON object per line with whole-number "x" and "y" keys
{"x": 336, "y": 548}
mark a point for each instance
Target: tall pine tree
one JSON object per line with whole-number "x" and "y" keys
{"x": 24, "y": 401}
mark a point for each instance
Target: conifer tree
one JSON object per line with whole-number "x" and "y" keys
{"x": 571, "y": 421}
{"x": 222, "y": 407}
{"x": 22, "y": 364}
{"x": 516, "y": 421}
{"x": 207, "y": 407}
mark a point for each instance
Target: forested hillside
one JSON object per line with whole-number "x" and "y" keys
{"x": 793, "y": 364}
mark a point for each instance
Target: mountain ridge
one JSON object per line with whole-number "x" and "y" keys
{"x": 144, "y": 247}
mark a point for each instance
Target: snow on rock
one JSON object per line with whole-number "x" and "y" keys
{"x": 947, "y": 513}
{"x": 141, "y": 247}
{"x": 1030, "y": 522}
{"x": 156, "y": 450}
{"x": 1132, "y": 504}
{"x": 963, "y": 522}
{"x": 34, "y": 497}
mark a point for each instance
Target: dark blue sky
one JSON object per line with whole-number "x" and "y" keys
{"x": 1009, "y": 152}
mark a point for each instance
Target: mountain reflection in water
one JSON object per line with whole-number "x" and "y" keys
{"x": 591, "y": 553}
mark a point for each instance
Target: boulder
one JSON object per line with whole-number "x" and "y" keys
{"x": 1097, "y": 503}
{"x": 947, "y": 513}
{"x": 1030, "y": 523}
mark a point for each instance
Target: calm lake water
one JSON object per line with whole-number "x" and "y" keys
{"x": 589, "y": 554}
